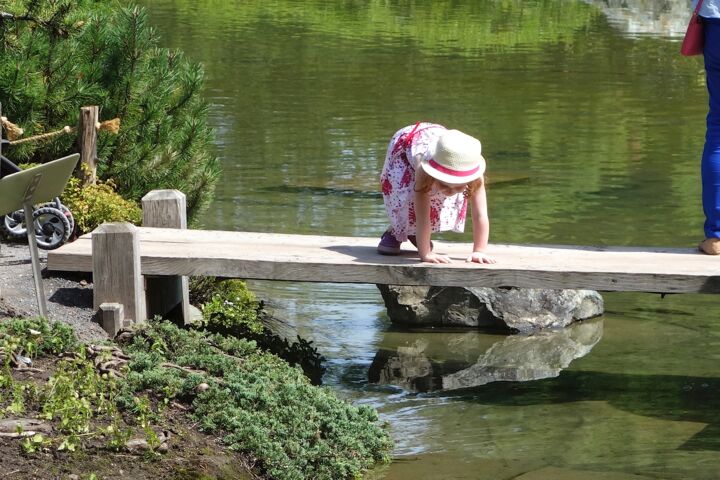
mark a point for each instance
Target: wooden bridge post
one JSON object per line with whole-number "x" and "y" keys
{"x": 116, "y": 270}
{"x": 167, "y": 296}
{"x": 87, "y": 143}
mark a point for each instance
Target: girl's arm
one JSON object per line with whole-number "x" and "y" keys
{"x": 422, "y": 226}
{"x": 481, "y": 226}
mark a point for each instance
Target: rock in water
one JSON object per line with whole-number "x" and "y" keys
{"x": 521, "y": 309}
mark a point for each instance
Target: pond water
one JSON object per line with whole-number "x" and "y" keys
{"x": 592, "y": 125}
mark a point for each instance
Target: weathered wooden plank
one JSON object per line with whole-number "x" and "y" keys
{"x": 354, "y": 260}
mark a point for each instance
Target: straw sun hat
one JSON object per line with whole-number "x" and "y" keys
{"x": 456, "y": 159}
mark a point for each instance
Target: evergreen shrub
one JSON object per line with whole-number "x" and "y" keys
{"x": 59, "y": 55}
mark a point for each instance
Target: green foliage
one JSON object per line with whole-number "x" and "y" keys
{"x": 232, "y": 308}
{"x": 93, "y": 205}
{"x": 72, "y": 392}
{"x": 59, "y": 55}
{"x": 269, "y": 409}
{"x": 229, "y": 308}
{"x": 35, "y": 443}
{"x": 17, "y": 404}
{"x": 36, "y": 336}
{"x": 74, "y": 396}
{"x": 145, "y": 418}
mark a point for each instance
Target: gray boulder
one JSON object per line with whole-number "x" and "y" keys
{"x": 521, "y": 309}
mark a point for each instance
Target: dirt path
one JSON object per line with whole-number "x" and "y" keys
{"x": 69, "y": 295}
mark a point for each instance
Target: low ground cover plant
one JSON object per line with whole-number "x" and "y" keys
{"x": 270, "y": 410}
{"x": 99, "y": 396}
{"x": 230, "y": 308}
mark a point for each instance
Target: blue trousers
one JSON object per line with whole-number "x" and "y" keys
{"x": 710, "y": 167}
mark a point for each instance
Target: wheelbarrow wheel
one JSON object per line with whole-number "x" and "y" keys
{"x": 13, "y": 225}
{"x": 65, "y": 210}
{"x": 52, "y": 227}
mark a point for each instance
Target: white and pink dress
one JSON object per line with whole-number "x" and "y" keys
{"x": 409, "y": 146}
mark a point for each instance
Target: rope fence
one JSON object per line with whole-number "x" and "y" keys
{"x": 14, "y": 132}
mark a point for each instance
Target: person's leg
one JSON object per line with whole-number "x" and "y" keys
{"x": 710, "y": 168}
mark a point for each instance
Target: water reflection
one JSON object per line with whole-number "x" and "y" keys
{"x": 420, "y": 362}
{"x": 601, "y": 131}
{"x": 666, "y": 18}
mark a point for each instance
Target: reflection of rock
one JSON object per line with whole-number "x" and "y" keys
{"x": 408, "y": 368}
{"x": 440, "y": 360}
{"x": 523, "y": 309}
{"x": 521, "y": 358}
{"x": 646, "y": 17}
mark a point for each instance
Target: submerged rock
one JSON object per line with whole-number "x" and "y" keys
{"x": 521, "y": 309}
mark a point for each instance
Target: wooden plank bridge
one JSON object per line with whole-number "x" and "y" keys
{"x": 310, "y": 258}
{"x": 125, "y": 253}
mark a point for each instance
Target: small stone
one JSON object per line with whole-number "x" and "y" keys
{"x": 83, "y": 283}
{"x": 26, "y": 425}
{"x": 24, "y": 360}
{"x": 137, "y": 445}
{"x": 202, "y": 387}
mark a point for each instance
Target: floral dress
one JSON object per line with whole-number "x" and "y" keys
{"x": 408, "y": 147}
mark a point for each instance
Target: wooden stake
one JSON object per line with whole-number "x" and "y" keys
{"x": 87, "y": 143}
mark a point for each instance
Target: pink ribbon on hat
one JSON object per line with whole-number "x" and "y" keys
{"x": 450, "y": 171}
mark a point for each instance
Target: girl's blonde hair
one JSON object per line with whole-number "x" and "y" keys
{"x": 424, "y": 183}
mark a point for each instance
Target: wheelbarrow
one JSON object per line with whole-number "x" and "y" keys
{"x": 53, "y": 222}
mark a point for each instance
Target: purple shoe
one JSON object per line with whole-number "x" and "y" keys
{"x": 389, "y": 245}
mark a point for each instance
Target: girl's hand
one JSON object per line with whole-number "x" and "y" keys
{"x": 480, "y": 257}
{"x": 435, "y": 258}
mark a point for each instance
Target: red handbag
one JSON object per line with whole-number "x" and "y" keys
{"x": 694, "y": 36}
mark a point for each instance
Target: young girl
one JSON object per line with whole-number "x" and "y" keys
{"x": 429, "y": 175}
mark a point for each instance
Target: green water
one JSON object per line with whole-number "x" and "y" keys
{"x": 592, "y": 125}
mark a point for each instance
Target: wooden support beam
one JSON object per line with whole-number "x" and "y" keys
{"x": 116, "y": 269}
{"x": 167, "y": 296}
{"x": 87, "y": 143}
